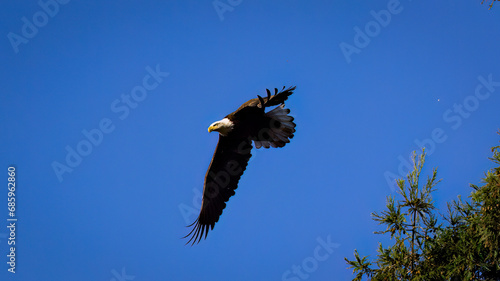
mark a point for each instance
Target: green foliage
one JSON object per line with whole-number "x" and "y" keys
{"x": 466, "y": 248}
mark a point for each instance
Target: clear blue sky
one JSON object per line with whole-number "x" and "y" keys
{"x": 132, "y": 87}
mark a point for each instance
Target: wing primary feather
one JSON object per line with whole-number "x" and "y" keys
{"x": 198, "y": 236}
{"x": 206, "y": 231}
{"x": 193, "y": 231}
{"x": 261, "y": 101}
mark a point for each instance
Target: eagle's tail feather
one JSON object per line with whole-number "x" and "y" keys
{"x": 280, "y": 131}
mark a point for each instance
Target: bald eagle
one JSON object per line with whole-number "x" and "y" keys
{"x": 249, "y": 123}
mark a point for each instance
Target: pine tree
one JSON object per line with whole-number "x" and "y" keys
{"x": 410, "y": 222}
{"x": 465, "y": 248}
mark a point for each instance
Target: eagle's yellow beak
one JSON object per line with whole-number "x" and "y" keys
{"x": 211, "y": 128}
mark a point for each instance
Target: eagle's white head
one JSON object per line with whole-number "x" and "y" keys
{"x": 223, "y": 126}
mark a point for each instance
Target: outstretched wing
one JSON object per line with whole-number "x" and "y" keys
{"x": 271, "y": 100}
{"x": 228, "y": 164}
